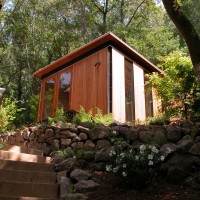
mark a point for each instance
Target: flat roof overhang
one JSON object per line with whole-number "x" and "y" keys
{"x": 106, "y": 38}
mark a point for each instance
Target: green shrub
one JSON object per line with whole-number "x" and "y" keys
{"x": 59, "y": 117}
{"x": 28, "y": 111}
{"x": 8, "y": 113}
{"x": 33, "y": 107}
{"x": 65, "y": 154}
{"x": 83, "y": 116}
{"x": 100, "y": 118}
{"x": 158, "y": 120}
{"x": 136, "y": 166}
{"x": 1, "y": 145}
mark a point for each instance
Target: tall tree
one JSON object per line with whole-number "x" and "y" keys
{"x": 187, "y": 29}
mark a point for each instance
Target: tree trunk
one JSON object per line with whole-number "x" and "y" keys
{"x": 187, "y": 30}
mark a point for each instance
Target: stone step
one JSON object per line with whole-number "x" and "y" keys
{"x": 24, "y": 198}
{"x": 28, "y": 166}
{"x": 9, "y": 188}
{"x": 18, "y": 149}
{"x": 6, "y": 155}
{"x": 28, "y": 176}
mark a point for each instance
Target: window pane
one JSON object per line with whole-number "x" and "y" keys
{"x": 64, "y": 90}
{"x": 48, "y": 98}
{"x": 129, "y": 91}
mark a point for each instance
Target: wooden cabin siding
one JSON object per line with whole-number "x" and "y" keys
{"x": 89, "y": 82}
{"x": 118, "y": 86}
{"x": 105, "y": 62}
{"x": 140, "y": 112}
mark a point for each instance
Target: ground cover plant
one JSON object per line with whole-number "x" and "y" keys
{"x": 137, "y": 167}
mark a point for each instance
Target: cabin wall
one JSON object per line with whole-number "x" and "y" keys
{"x": 89, "y": 82}
{"x": 118, "y": 86}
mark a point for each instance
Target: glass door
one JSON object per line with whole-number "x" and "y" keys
{"x": 129, "y": 91}
{"x": 48, "y": 98}
{"x": 64, "y": 90}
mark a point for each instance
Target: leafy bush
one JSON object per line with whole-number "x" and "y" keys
{"x": 158, "y": 120}
{"x": 8, "y": 113}
{"x": 179, "y": 89}
{"x": 83, "y": 116}
{"x": 59, "y": 117}
{"x": 64, "y": 154}
{"x": 33, "y": 107}
{"x": 1, "y": 145}
{"x": 101, "y": 118}
{"x": 137, "y": 167}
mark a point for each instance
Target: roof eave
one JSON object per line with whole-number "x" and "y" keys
{"x": 90, "y": 46}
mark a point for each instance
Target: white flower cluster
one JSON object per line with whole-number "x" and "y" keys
{"x": 152, "y": 156}
{"x": 112, "y": 153}
{"x": 124, "y": 160}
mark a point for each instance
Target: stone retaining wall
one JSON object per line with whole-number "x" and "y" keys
{"x": 182, "y": 138}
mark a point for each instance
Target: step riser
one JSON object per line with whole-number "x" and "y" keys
{"x": 26, "y": 166}
{"x": 6, "y": 155}
{"x": 28, "y": 189}
{"x": 23, "y": 198}
{"x": 31, "y": 177}
{"x": 18, "y": 149}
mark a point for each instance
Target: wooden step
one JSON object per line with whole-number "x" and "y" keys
{"x": 9, "y": 188}
{"x": 6, "y": 155}
{"x": 24, "y": 198}
{"x": 27, "y": 176}
{"x": 28, "y": 166}
{"x": 18, "y": 149}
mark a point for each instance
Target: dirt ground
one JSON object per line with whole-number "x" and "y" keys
{"x": 111, "y": 188}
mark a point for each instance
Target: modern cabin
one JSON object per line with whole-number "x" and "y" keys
{"x": 106, "y": 73}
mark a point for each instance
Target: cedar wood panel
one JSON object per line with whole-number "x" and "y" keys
{"x": 90, "y": 82}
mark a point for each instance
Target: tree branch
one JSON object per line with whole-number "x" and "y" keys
{"x": 130, "y": 20}
{"x": 187, "y": 30}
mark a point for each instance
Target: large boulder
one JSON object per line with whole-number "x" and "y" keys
{"x": 168, "y": 149}
{"x": 84, "y": 186}
{"x": 65, "y": 186}
{"x": 102, "y": 155}
{"x": 98, "y": 133}
{"x": 65, "y": 143}
{"x": 195, "y": 149}
{"x": 129, "y": 134}
{"x": 103, "y": 144}
{"x": 83, "y": 136}
{"x": 55, "y": 146}
{"x": 180, "y": 166}
{"x": 184, "y": 144}
{"x": 89, "y": 144}
{"x": 79, "y": 174}
{"x": 174, "y": 133}
{"x": 67, "y": 164}
{"x": 157, "y": 137}
{"x": 49, "y": 133}
{"x": 65, "y": 134}
{"x": 82, "y": 129}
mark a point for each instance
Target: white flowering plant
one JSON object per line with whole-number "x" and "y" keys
{"x": 137, "y": 166}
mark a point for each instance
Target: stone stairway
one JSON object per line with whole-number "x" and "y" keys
{"x": 25, "y": 174}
